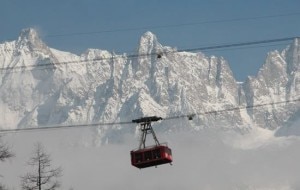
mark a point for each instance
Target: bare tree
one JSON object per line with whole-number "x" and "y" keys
{"x": 43, "y": 176}
{"x": 2, "y": 187}
{"x": 5, "y": 154}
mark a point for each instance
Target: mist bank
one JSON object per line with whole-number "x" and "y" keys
{"x": 208, "y": 159}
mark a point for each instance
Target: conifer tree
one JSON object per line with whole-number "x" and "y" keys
{"x": 43, "y": 176}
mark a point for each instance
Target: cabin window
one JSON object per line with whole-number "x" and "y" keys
{"x": 156, "y": 153}
{"x": 138, "y": 157}
{"x": 168, "y": 151}
{"x": 148, "y": 155}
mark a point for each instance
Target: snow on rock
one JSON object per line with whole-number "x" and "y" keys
{"x": 275, "y": 82}
{"x": 42, "y": 86}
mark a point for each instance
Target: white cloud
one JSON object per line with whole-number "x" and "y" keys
{"x": 208, "y": 159}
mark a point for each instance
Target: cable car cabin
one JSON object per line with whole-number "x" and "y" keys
{"x": 151, "y": 156}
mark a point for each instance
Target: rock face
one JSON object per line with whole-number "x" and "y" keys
{"x": 277, "y": 80}
{"x": 41, "y": 86}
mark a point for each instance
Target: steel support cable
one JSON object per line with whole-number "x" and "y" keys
{"x": 249, "y": 47}
{"x": 170, "y": 25}
{"x": 52, "y": 65}
{"x": 240, "y": 44}
{"x": 232, "y": 109}
{"x": 2, "y": 131}
{"x": 62, "y": 127}
{"x": 46, "y": 66}
{"x": 173, "y": 25}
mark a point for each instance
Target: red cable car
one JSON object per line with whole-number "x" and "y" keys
{"x": 152, "y": 155}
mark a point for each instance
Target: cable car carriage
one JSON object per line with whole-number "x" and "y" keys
{"x": 151, "y": 155}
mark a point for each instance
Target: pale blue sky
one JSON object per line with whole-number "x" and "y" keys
{"x": 55, "y": 17}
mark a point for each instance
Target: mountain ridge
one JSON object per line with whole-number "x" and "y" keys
{"x": 99, "y": 86}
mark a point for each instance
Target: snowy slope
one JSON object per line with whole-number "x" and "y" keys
{"x": 277, "y": 80}
{"x": 43, "y": 86}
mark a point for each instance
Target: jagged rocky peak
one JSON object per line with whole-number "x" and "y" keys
{"x": 29, "y": 37}
{"x": 296, "y": 43}
{"x": 96, "y": 53}
{"x": 274, "y": 61}
{"x": 116, "y": 89}
{"x": 29, "y": 34}
{"x": 292, "y": 55}
{"x": 293, "y": 48}
{"x": 148, "y": 37}
{"x": 148, "y": 43}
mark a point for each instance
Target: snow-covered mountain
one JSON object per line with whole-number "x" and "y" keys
{"x": 42, "y": 86}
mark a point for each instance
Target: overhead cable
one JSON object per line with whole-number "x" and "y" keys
{"x": 173, "y": 25}
{"x": 233, "y": 109}
{"x": 52, "y": 65}
{"x": 189, "y": 116}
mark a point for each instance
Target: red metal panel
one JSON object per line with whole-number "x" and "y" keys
{"x": 152, "y": 156}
